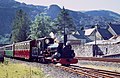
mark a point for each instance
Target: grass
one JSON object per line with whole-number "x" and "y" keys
{"x": 12, "y": 70}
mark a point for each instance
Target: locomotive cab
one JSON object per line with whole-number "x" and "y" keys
{"x": 42, "y": 45}
{"x": 52, "y": 49}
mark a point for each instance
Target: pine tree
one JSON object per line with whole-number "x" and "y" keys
{"x": 64, "y": 21}
{"x": 41, "y": 26}
{"x": 20, "y": 29}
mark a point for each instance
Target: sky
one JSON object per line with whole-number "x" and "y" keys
{"x": 79, "y": 5}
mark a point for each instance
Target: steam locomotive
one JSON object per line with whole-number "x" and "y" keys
{"x": 42, "y": 50}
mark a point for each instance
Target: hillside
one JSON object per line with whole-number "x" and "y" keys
{"x": 9, "y": 7}
{"x": 7, "y": 13}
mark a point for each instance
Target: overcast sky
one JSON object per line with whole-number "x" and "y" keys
{"x": 79, "y": 5}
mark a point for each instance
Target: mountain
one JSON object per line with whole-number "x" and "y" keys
{"x": 86, "y": 18}
{"x": 53, "y": 11}
{"x": 103, "y": 13}
{"x": 9, "y": 7}
{"x": 104, "y": 16}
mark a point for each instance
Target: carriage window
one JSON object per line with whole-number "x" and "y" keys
{"x": 16, "y": 47}
{"x": 22, "y": 46}
{"x": 8, "y": 48}
{"x": 25, "y": 45}
{"x": 1, "y": 48}
{"x": 19, "y": 46}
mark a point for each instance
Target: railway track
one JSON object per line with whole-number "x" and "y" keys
{"x": 97, "y": 72}
{"x": 90, "y": 72}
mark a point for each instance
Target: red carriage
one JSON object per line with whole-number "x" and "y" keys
{"x": 24, "y": 49}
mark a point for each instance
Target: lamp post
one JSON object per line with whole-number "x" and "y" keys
{"x": 95, "y": 33}
{"x": 96, "y": 48}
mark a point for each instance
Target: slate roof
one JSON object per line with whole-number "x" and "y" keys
{"x": 116, "y": 28}
{"x": 112, "y": 41}
{"x": 77, "y": 36}
{"x": 71, "y": 37}
{"x": 81, "y": 32}
{"x": 105, "y": 34}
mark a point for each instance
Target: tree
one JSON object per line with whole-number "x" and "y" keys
{"x": 41, "y": 26}
{"x": 64, "y": 21}
{"x": 4, "y": 39}
{"x": 64, "y": 24}
{"x": 20, "y": 28}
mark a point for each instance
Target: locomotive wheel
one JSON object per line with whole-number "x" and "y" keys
{"x": 54, "y": 62}
{"x": 42, "y": 60}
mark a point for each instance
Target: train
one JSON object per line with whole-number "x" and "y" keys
{"x": 43, "y": 50}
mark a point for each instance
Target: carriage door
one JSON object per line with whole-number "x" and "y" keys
{"x": 95, "y": 50}
{"x": 40, "y": 47}
{"x": 34, "y": 52}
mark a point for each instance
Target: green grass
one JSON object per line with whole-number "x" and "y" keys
{"x": 12, "y": 70}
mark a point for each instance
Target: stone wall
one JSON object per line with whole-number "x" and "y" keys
{"x": 82, "y": 50}
{"x": 86, "y": 50}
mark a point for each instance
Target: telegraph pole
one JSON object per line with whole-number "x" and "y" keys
{"x": 96, "y": 33}
{"x": 96, "y": 48}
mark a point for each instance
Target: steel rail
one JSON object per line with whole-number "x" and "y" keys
{"x": 81, "y": 73}
{"x": 97, "y": 72}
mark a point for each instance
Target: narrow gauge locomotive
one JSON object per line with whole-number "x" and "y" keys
{"x": 64, "y": 54}
{"x": 41, "y": 50}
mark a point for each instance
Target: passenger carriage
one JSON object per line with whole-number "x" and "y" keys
{"x": 9, "y": 50}
{"x": 24, "y": 49}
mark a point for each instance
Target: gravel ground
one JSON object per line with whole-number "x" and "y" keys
{"x": 50, "y": 71}
{"x": 53, "y": 72}
{"x": 110, "y": 66}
